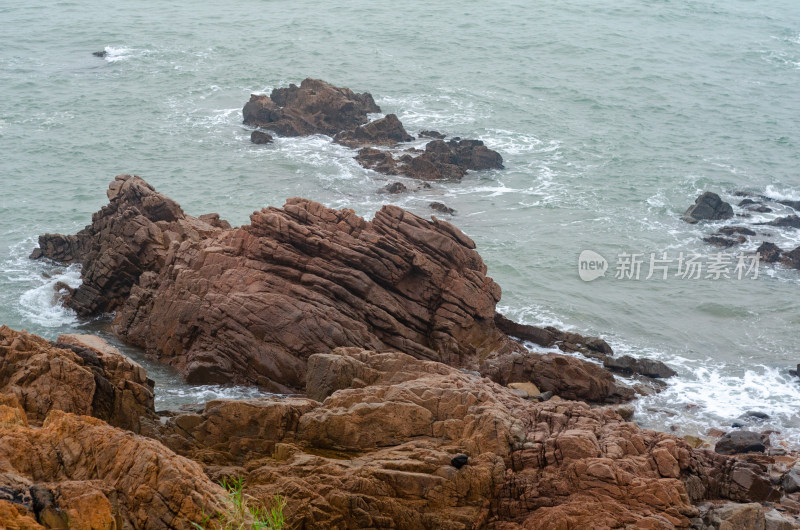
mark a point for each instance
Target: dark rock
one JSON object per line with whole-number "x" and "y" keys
{"x": 791, "y": 480}
{"x": 769, "y": 252}
{"x": 46, "y": 509}
{"x": 440, "y": 161}
{"x": 395, "y": 187}
{"x": 432, "y": 134}
{"x": 736, "y": 442}
{"x": 723, "y": 242}
{"x": 630, "y": 365}
{"x": 761, "y": 209}
{"x": 732, "y": 230}
{"x": 747, "y": 202}
{"x": 792, "y": 259}
{"x": 100, "y": 54}
{"x": 737, "y": 425}
{"x": 790, "y": 221}
{"x": 385, "y": 131}
{"x": 459, "y": 461}
{"x": 315, "y": 107}
{"x": 534, "y": 334}
{"x": 709, "y": 206}
{"x": 791, "y": 204}
{"x": 795, "y": 372}
{"x": 544, "y": 396}
{"x": 441, "y": 208}
{"x": 757, "y": 414}
{"x": 260, "y": 137}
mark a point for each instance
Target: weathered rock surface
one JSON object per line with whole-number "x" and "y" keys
{"x": 127, "y": 237}
{"x": 79, "y": 374}
{"x": 441, "y": 208}
{"x": 79, "y": 472}
{"x": 251, "y": 304}
{"x": 432, "y": 134}
{"x": 379, "y": 449}
{"x": 710, "y": 206}
{"x": 315, "y": 107}
{"x": 384, "y": 131}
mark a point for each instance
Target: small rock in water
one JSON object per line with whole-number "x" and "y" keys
{"x": 260, "y": 137}
{"x": 395, "y": 187}
{"x": 724, "y": 242}
{"x": 711, "y": 207}
{"x": 625, "y": 411}
{"x": 790, "y": 221}
{"x": 795, "y": 373}
{"x": 459, "y": 461}
{"x": 737, "y": 425}
{"x": 432, "y": 134}
{"x": 736, "y": 442}
{"x": 757, "y": 414}
{"x": 716, "y": 433}
{"x": 630, "y": 365}
{"x": 100, "y": 54}
{"x": 441, "y": 207}
{"x": 769, "y": 252}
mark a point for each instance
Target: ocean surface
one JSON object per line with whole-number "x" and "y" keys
{"x": 612, "y": 116}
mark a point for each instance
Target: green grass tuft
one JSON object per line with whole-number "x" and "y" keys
{"x": 243, "y": 515}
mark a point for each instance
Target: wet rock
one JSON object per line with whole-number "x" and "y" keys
{"x": 724, "y": 242}
{"x": 432, "y": 134}
{"x": 395, "y": 187}
{"x": 790, "y": 221}
{"x": 440, "y": 161}
{"x": 260, "y": 137}
{"x": 102, "y": 53}
{"x": 733, "y": 230}
{"x": 736, "y": 442}
{"x": 747, "y": 202}
{"x": 757, "y": 415}
{"x": 441, "y": 208}
{"x": 792, "y": 259}
{"x": 459, "y": 461}
{"x": 709, "y": 206}
{"x": 315, "y": 107}
{"x": 630, "y": 365}
{"x": 384, "y": 131}
{"x": 791, "y": 204}
{"x": 769, "y": 252}
{"x": 791, "y": 480}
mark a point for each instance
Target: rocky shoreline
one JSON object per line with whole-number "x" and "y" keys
{"x": 405, "y": 400}
{"x": 416, "y": 404}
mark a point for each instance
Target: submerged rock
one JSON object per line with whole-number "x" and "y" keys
{"x": 432, "y": 134}
{"x": 102, "y": 53}
{"x": 395, "y": 188}
{"x": 709, "y": 206}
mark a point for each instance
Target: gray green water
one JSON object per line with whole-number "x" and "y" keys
{"x": 611, "y": 116}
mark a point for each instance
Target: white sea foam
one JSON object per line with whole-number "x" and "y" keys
{"x": 172, "y": 396}
{"x": 782, "y": 194}
{"x": 116, "y": 54}
{"x": 38, "y": 301}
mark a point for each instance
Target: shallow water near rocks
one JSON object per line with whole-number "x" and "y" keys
{"x": 611, "y": 118}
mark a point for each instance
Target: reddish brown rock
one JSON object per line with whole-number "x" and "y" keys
{"x": 384, "y": 131}
{"x": 379, "y": 450}
{"x": 127, "y": 237}
{"x": 80, "y": 374}
{"x": 81, "y": 471}
{"x": 315, "y": 107}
